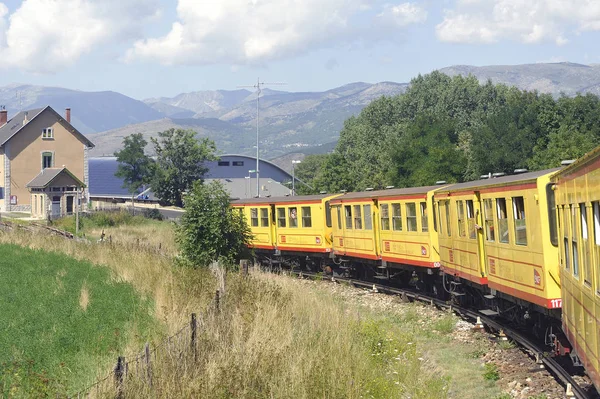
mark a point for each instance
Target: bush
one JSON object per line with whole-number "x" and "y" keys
{"x": 210, "y": 230}
{"x": 153, "y": 213}
{"x": 490, "y": 372}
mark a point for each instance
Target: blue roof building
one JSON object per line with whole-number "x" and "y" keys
{"x": 236, "y": 172}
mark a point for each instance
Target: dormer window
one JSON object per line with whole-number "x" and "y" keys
{"x": 48, "y": 133}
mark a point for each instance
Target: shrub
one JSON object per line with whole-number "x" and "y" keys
{"x": 490, "y": 372}
{"x": 210, "y": 230}
{"x": 153, "y": 213}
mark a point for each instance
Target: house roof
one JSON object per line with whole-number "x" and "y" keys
{"x": 48, "y": 175}
{"x": 15, "y": 124}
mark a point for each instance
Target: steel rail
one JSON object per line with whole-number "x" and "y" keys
{"x": 539, "y": 353}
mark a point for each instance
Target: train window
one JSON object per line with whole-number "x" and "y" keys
{"x": 293, "y": 217}
{"x": 471, "y": 219}
{"x": 461, "y": 218}
{"x": 339, "y": 216}
{"x": 424, "y": 218}
{"x": 396, "y": 217}
{"x": 502, "y": 220}
{"x": 306, "y": 220}
{"x": 348, "y": 210}
{"x": 520, "y": 223}
{"x": 254, "y": 217}
{"x": 280, "y": 217}
{"x": 264, "y": 217}
{"x": 585, "y": 242}
{"x": 597, "y": 242}
{"x": 411, "y": 217}
{"x": 565, "y": 212}
{"x": 357, "y": 217}
{"x": 328, "y": 214}
{"x": 552, "y": 219}
{"x": 385, "y": 217}
{"x": 488, "y": 209}
{"x": 447, "y": 207}
{"x": 368, "y": 219}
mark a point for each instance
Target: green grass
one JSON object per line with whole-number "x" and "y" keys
{"x": 62, "y": 320}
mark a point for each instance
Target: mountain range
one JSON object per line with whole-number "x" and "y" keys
{"x": 290, "y": 122}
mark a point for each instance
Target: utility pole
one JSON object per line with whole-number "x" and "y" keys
{"x": 294, "y": 177}
{"x": 258, "y": 86}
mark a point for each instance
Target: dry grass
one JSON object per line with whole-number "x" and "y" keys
{"x": 273, "y": 338}
{"x": 152, "y": 234}
{"x": 276, "y": 339}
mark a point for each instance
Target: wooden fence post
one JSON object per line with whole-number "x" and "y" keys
{"x": 148, "y": 365}
{"x": 244, "y": 267}
{"x": 194, "y": 326}
{"x": 119, "y": 373}
{"x": 217, "y": 300}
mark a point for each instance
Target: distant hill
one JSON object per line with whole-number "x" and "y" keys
{"x": 556, "y": 78}
{"x": 288, "y": 121}
{"x": 230, "y": 138}
{"x": 91, "y": 111}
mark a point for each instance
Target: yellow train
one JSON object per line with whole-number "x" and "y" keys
{"x": 524, "y": 246}
{"x": 577, "y": 193}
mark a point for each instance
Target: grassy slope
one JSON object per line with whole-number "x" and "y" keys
{"x": 276, "y": 337}
{"x": 69, "y": 316}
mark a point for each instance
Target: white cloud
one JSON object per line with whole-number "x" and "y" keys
{"x": 403, "y": 14}
{"x": 243, "y": 31}
{"x": 531, "y": 21}
{"x": 46, "y": 35}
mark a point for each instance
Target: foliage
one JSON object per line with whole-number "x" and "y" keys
{"x": 62, "y": 319}
{"x": 210, "y": 229}
{"x": 135, "y": 167}
{"x": 180, "y": 163}
{"x": 490, "y": 372}
{"x": 153, "y": 213}
{"x": 427, "y": 152}
{"x": 456, "y": 129}
{"x": 306, "y": 173}
{"x": 90, "y": 220}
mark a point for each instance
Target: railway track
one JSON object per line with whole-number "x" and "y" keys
{"x": 572, "y": 388}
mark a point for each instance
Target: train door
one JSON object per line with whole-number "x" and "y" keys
{"x": 376, "y": 229}
{"x": 480, "y": 233}
{"x": 273, "y": 229}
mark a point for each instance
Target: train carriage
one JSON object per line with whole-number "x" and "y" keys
{"x": 392, "y": 228}
{"x": 289, "y": 225}
{"x": 496, "y": 233}
{"x": 577, "y": 192}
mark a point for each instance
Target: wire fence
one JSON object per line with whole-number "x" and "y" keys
{"x": 136, "y": 370}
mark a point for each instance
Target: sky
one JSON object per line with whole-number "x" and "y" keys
{"x": 153, "y": 48}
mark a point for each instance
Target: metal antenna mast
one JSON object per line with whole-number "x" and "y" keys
{"x": 258, "y": 86}
{"x": 19, "y": 95}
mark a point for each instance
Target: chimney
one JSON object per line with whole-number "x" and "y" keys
{"x": 25, "y": 119}
{"x": 3, "y": 116}
{"x": 68, "y": 114}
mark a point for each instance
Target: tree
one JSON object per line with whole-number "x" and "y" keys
{"x": 179, "y": 163}
{"x": 135, "y": 167}
{"x": 210, "y": 229}
{"x": 307, "y": 171}
{"x": 428, "y": 152}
